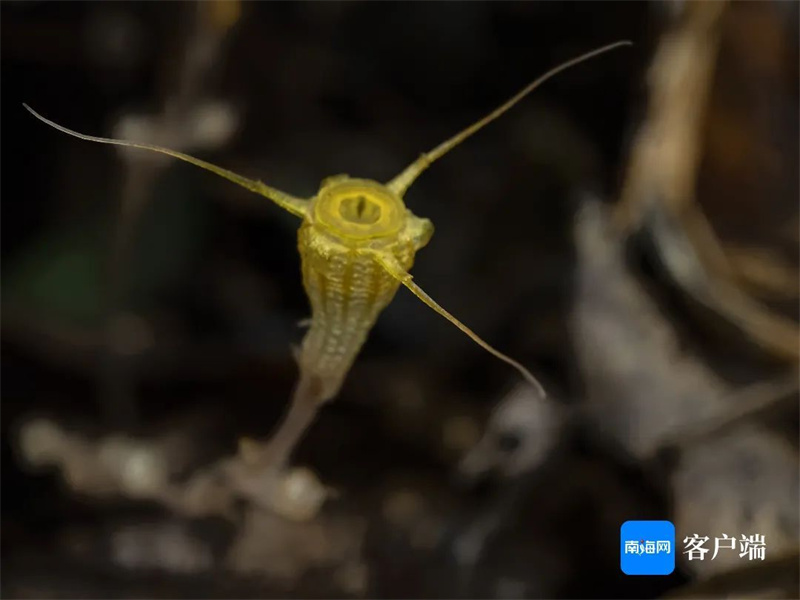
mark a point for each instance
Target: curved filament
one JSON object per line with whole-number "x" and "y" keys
{"x": 393, "y": 267}
{"x": 296, "y": 206}
{"x": 403, "y": 181}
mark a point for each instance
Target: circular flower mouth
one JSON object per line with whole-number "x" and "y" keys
{"x": 359, "y": 209}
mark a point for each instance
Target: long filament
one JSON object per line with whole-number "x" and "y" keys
{"x": 394, "y": 269}
{"x": 296, "y": 206}
{"x": 400, "y": 184}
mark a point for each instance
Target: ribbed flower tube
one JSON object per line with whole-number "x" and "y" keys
{"x": 347, "y": 291}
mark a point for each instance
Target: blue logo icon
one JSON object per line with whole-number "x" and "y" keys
{"x": 647, "y": 547}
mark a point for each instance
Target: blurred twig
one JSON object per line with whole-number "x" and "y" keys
{"x": 174, "y": 128}
{"x": 666, "y": 153}
{"x": 749, "y": 403}
{"x": 659, "y": 191}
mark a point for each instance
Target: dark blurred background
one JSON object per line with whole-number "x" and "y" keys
{"x": 146, "y": 300}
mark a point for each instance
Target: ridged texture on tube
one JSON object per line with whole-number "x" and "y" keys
{"x": 347, "y": 291}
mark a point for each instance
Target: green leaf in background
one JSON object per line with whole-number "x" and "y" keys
{"x": 61, "y": 275}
